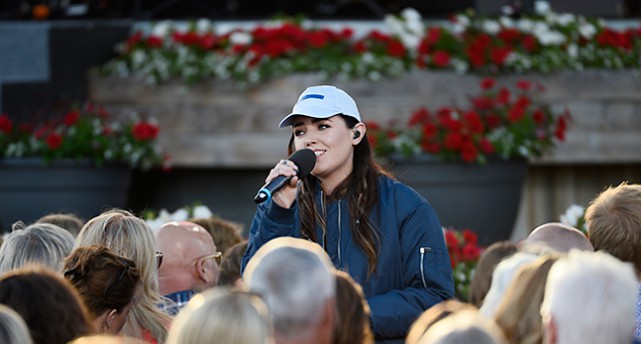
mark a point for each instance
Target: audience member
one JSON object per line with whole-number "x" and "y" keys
{"x": 519, "y": 313}
{"x": 107, "y": 284}
{"x": 434, "y": 314}
{"x": 222, "y": 316}
{"x": 464, "y": 327}
{"x": 613, "y": 221}
{"x": 40, "y": 243}
{"x": 230, "y": 267}
{"x": 13, "y": 329}
{"x": 106, "y": 339}
{"x": 501, "y": 278}
{"x": 129, "y": 236}
{"x": 224, "y": 232}
{"x": 68, "y": 221}
{"x": 352, "y": 316}
{"x": 589, "y": 298}
{"x": 555, "y": 237}
{"x": 47, "y": 303}
{"x": 190, "y": 262}
{"x": 482, "y": 278}
{"x": 294, "y": 278}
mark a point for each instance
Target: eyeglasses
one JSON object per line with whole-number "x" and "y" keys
{"x": 218, "y": 256}
{"x": 159, "y": 256}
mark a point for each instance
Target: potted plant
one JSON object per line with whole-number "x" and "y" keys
{"x": 78, "y": 161}
{"x": 471, "y": 162}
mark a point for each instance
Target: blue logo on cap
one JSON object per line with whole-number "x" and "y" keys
{"x": 316, "y": 96}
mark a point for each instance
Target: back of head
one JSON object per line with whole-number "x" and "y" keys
{"x": 488, "y": 261}
{"x": 613, "y": 220}
{"x": 222, "y": 316}
{"x": 42, "y": 244}
{"x": 353, "y": 321}
{"x": 68, "y": 221}
{"x": 48, "y": 304}
{"x": 129, "y": 236}
{"x": 464, "y": 327}
{"x": 556, "y": 237}
{"x": 224, "y": 232}
{"x": 433, "y": 315}
{"x": 501, "y": 278}
{"x": 103, "y": 279}
{"x": 294, "y": 279}
{"x": 590, "y": 298}
{"x": 13, "y": 329}
{"x": 230, "y": 266}
{"x": 518, "y": 314}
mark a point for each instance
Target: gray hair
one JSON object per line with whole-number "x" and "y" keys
{"x": 12, "y": 328}
{"x": 42, "y": 244}
{"x": 591, "y": 299}
{"x": 295, "y": 282}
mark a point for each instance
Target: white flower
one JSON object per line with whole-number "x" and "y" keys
{"x": 507, "y": 22}
{"x": 573, "y": 51}
{"x": 394, "y": 25}
{"x": 240, "y": 38}
{"x": 162, "y": 29}
{"x": 491, "y": 27}
{"x": 413, "y": 21}
{"x": 542, "y": 7}
{"x": 572, "y": 215}
{"x": 180, "y": 215}
{"x": 203, "y": 25}
{"x": 202, "y": 211}
{"x": 587, "y": 30}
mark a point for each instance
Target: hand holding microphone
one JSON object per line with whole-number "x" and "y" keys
{"x": 303, "y": 162}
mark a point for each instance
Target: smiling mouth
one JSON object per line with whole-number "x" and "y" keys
{"x": 319, "y": 153}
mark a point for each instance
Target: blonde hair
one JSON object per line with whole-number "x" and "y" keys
{"x": 12, "y": 328}
{"x": 518, "y": 314}
{"x": 433, "y": 315}
{"x": 353, "y": 313}
{"x": 41, "y": 244}
{"x": 129, "y": 236}
{"x": 466, "y": 326}
{"x": 221, "y": 315}
{"x": 614, "y": 222}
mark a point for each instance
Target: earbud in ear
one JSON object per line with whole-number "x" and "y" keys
{"x": 357, "y": 134}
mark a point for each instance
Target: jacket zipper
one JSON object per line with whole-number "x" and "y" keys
{"x": 423, "y": 251}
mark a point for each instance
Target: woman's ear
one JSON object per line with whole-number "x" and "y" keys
{"x": 359, "y": 132}
{"x": 111, "y": 315}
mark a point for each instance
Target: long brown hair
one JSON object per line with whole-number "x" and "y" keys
{"x": 361, "y": 190}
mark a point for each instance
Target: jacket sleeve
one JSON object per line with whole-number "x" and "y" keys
{"x": 426, "y": 273}
{"x": 270, "y": 221}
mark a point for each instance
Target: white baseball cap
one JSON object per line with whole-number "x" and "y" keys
{"x": 323, "y": 101}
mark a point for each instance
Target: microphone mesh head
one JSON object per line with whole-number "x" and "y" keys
{"x": 305, "y": 159}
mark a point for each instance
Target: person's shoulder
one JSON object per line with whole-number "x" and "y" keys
{"x": 399, "y": 191}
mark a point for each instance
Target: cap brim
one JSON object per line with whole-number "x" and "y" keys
{"x": 287, "y": 121}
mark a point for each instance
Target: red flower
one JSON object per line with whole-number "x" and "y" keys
{"x": 6, "y": 125}
{"x": 441, "y": 58}
{"x": 469, "y": 152}
{"x": 524, "y": 85}
{"x": 470, "y": 237}
{"x": 559, "y": 131}
{"x": 53, "y": 140}
{"x": 154, "y": 42}
{"x": 395, "y": 48}
{"x": 538, "y": 116}
{"x": 516, "y": 114}
{"x": 71, "y": 118}
{"x": 318, "y": 39}
{"x": 500, "y": 54}
{"x": 453, "y": 141}
{"x": 487, "y": 83}
{"x": 429, "y": 130}
{"x": 419, "y": 116}
{"x": 486, "y": 146}
{"x": 144, "y": 131}
{"x": 470, "y": 252}
{"x": 450, "y": 239}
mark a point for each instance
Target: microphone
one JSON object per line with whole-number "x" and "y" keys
{"x": 304, "y": 159}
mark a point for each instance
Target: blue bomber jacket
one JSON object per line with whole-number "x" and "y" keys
{"x": 413, "y": 271}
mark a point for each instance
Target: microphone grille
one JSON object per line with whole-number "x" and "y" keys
{"x": 305, "y": 159}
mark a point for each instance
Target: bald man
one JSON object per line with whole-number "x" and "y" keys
{"x": 557, "y": 237}
{"x": 189, "y": 264}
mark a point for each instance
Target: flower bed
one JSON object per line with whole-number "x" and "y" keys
{"x": 464, "y": 250}
{"x": 546, "y": 43}
{"x": 87, "y": 132}
{"x": 499, "y": 122}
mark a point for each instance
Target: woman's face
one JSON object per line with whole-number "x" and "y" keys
{"x": 332, "y": 142}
